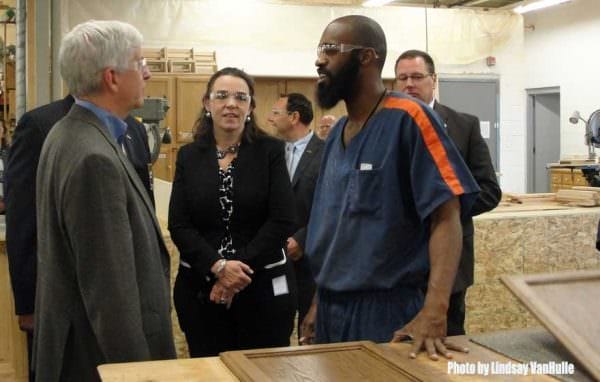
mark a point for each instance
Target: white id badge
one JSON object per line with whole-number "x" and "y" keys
{"x": 280, "y": 286}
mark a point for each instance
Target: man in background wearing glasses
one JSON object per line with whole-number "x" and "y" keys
{"x": 415, "y": 75}
{"x": 103, "y": 292}
{"x": 385, "y": 221}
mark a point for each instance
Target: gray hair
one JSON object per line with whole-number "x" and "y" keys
{"x": 93, "y": 46}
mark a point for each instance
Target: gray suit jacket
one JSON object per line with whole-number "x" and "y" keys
{"x": 103, "y": 269}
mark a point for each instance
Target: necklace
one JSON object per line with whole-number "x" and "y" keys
{"x": 232, "y": 149}
{"x": 369, "y": 117}
{"x": 374, "y": 109}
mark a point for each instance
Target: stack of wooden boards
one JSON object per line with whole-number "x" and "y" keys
{"x": 580, "y": 196}
{"x": 577, "y": 196}
{"x": 512, "y": 202}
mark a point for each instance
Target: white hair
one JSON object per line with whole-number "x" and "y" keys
{"x": 93, "y": 46}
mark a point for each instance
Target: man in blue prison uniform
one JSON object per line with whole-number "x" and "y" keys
{"x": 384, "y": 196}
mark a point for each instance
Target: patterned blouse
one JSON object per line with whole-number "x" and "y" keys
{"x": 226, "y": 249}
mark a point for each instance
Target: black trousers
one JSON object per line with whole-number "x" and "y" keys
{"x": 456, "y": 314}
{"x": 256, "y": 319}
{"x": 306, "y": 288}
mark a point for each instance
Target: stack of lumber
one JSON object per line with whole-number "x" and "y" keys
{"x": 513, "y": 202}
{"x": 579, "y": 160}
{"x": 580, "y": 196}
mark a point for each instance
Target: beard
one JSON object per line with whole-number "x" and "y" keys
{"x": 337, "y": 86}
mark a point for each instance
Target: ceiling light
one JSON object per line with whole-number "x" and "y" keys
{"x": 376, "y": 3}
{"x": 538, "y": 5}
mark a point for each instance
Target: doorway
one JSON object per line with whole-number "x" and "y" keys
{"x": 478, "y": 97}
{"x": 543, "y": 136}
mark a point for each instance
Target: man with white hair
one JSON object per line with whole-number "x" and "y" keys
{"x": 324, "y": 127}
{"x": 103, "y": 269}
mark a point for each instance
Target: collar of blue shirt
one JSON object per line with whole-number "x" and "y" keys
{"x": 116, "y": 126}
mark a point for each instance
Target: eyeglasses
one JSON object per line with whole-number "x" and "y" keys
{"x": 140, "y": 64}
{"x": 280, "y": 112}
{"x": 415, "y": 77}
{"x": 332, "y": 48}
{"x": 222, "y": 95}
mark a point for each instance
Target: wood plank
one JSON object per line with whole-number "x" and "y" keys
{"x": 586, "y": 188}
{"x": 578, "y": 197}
{"x": 521, "y": 198}
{"x": 189, "y": 370}
{"x": 511, "y": 207}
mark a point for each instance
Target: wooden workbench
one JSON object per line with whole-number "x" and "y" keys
{"x": 213, "y": 369}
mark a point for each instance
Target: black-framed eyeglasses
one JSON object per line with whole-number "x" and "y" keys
{"x": 222, "y": 95}
{"x": 330, "y": 48}
{"x": 414, "y": 77}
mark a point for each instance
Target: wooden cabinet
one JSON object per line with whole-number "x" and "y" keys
{"x": 185, "y": 100}
{"x": 578, "y": 178}
{"x": 565, "y": 178}
{"x": 190, "y": 91}
{"x": 184, "y": 93}
{"x": 266, "y": 93}
{"x": 163, "y": 167}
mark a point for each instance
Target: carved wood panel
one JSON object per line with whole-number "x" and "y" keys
{"x": 567, "y": 304}
{"x": 351, "y": 361}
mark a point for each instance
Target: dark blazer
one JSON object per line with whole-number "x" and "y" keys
{"x": 304, "y": 182}
{"x": 465, "y": 132}
{"x": 19, "y": 183}
{"x": 104, "y": 293}
{"x": 303, "y": 185}
{"x": 263, "y": 213}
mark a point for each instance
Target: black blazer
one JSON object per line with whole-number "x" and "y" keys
{"x": 263, "y": 212}
{"x": 465, "y": 132}
{"x": 303, "y": 184}
{"x": 19, "y": 190}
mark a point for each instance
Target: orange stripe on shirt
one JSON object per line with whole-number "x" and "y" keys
{"x": 432, "y": 140}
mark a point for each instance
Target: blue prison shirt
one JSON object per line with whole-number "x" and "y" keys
{"x": 369, "y": 226}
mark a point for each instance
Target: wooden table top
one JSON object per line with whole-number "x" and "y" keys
{"x": 213, "y": 369}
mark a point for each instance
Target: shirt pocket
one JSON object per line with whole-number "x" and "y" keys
{"x": 365, "y": 192}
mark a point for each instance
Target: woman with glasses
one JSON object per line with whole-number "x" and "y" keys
{"x": 230, "y": 214}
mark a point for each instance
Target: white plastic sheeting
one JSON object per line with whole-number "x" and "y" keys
{"x": 275, "y": 39}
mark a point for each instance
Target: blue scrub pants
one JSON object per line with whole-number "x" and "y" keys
{"x": 365, "y": 315}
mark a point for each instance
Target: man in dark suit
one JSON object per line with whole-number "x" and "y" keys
{"x": 291, "y": 117}
{"x": 415, "y": 75}
{"x": 102, "y": 292}
{"x": 22, "y": 163}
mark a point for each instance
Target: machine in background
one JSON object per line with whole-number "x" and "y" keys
{"x": 152, "y": 115}
{"x": 592, "y": 140}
